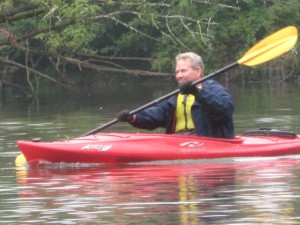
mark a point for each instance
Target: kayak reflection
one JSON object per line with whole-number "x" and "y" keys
{"x": 205, "y": 193}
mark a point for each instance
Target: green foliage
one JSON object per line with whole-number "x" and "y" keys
{"x": 5, "y": 4}
{"x": 73, "y": 20}
{"x": 221, "y": 31}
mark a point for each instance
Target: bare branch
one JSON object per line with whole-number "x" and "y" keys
{"x": 134, "y": 29}
{"x": 31, "y": 70}
{"x": 208, "y": 2}
{"x": 105, "y": 2}
{"x": 86, "y": 63}
{"x": 27, "y": 68}
{"x": 14, "y": 11}
{"x": 118, "y": 70}
{"x": 174, "y": 36}
{"x": 24, "y": 12}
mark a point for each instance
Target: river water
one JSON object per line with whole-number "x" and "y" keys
{"x": 221, "y": 191}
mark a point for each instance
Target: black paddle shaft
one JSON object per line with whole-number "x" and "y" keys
{"x": 106, "y": 125}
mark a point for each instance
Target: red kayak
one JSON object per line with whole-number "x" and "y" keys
{"x": 132, "y": 148}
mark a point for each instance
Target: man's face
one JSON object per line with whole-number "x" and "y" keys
{"x": 185, "y": 72}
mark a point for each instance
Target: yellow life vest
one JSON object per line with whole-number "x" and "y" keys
{"x": 184, "y": 121}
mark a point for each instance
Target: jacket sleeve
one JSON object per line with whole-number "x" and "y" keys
{"x": 154, "y": 117}
{"x": 216, "y": 101}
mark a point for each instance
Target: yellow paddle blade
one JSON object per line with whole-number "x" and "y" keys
{"x": 20, "y": 160}
{"x": 270, "y": 47}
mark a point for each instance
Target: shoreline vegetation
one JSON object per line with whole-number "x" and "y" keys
{"x": 80, "y": 42}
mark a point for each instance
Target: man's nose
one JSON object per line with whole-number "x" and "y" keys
{"x": 179, "y": 74}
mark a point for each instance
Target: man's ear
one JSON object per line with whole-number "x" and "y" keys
{"x": 199, "y": 71}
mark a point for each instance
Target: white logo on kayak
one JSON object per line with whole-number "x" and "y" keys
{"x": 100, "y": 148}
{"x": 191, "y": 144}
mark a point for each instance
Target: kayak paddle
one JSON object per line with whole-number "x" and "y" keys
{"x": 269, "y": 48}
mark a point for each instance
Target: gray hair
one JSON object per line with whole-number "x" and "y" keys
{"x": 196, "y": 59}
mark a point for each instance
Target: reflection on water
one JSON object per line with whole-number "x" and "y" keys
{"x": 253, "y": 192}
{"x": 235, "y": 191}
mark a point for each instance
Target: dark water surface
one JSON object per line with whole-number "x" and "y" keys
{"x": 222, "y": 191}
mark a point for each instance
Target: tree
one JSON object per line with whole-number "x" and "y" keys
{"x": 53, "y": 40}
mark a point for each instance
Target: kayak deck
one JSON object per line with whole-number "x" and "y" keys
{"x": 132, "y": 147}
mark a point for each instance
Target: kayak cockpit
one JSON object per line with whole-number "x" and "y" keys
{"x": 271, "y": 132}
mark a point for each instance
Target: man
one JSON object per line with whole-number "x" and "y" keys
{"x": 204, "y": 110}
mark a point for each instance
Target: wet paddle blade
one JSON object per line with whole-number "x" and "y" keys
{"x": 20, "y": 160}
{"x": 271, "y": 47}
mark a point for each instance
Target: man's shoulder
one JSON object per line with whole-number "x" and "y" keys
{"x": 211, "y": 83}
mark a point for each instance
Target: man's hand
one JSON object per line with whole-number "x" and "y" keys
{"x": 124, "y": 116}
{"x": 187, "y": 88}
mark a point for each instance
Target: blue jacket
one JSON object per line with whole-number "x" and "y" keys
{"x": 211, "y": 112}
